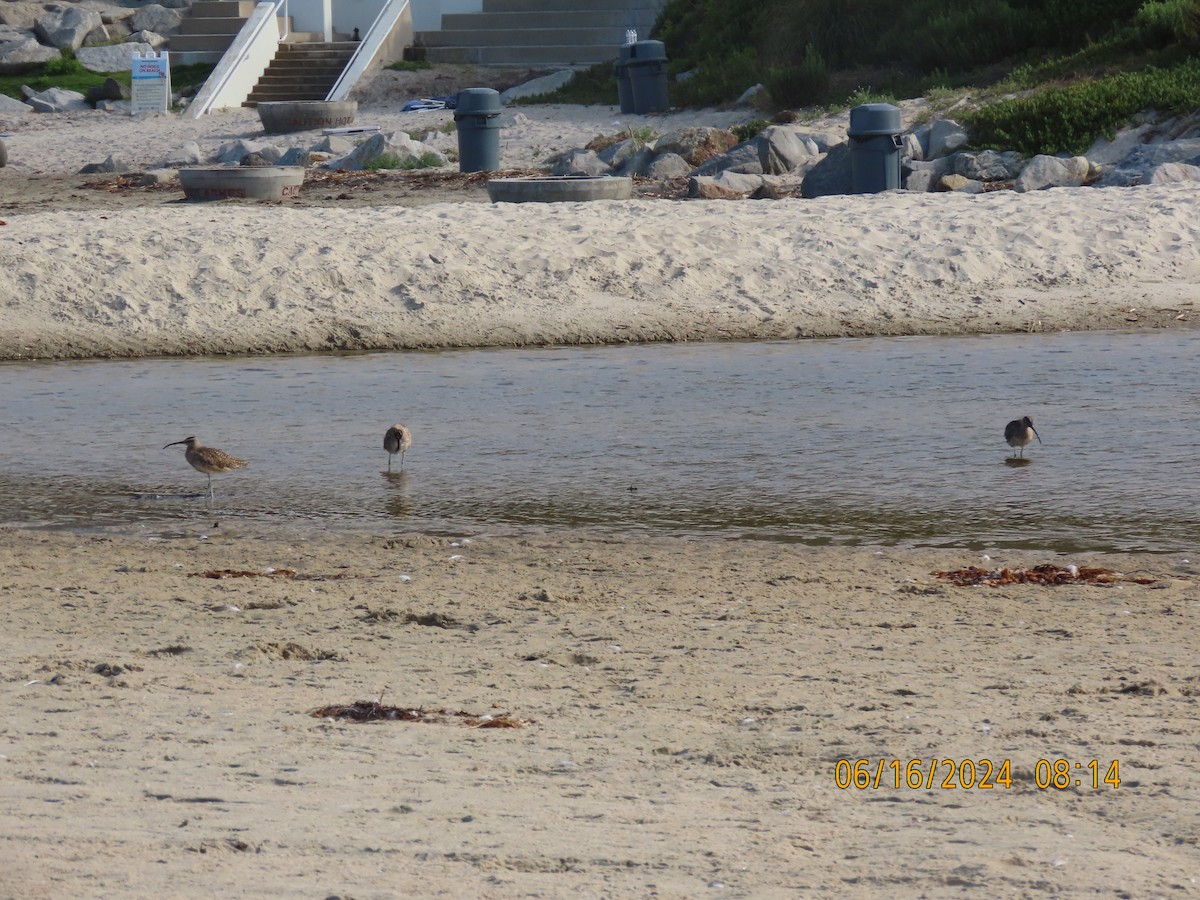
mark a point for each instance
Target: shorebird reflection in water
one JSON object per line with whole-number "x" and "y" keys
{"x": 208, "y": 460}
{"x": 1020, "y": 433}
{"x": 397, "y": 440}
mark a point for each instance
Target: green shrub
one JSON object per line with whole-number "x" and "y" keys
{"x": 426, "y": 160}
{"x": 1069, "y": 119}
{"x": 748, "y": 130}
{"x": 803, "y": 84}
{"x": 410, "y": 65}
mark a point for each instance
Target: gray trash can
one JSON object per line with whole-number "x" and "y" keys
{"x": 874, "y": 148}
{"x": 647, "y": 69}
{"x": 621, "y": 70}
{"x": 477, "y": 117}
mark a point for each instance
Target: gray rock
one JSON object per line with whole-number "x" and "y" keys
{"x": 296, "y": 156}
{"x": 97, "y": 36}
{"x": 382, "y": 145}
{"x": 696, "y": 144}
{"x": 1139, "y": 165}
{"x": 926, "y": 175}
{"x": 21, "y": 56}
{"x": 111, "y": 89}
{"x": 538, "y": 86}
{"x": 580, "y": 162}
{"x": 157, "y": 18}
{"x": 8, "y": 34}
{"x": 66, "y": 27}
{"x": 782, "y": 149}
{"x": 1052, "y": 171}
{"x": 988, "y": 165}
{"x": 749, "y": 95}
{"x": 332, "y": 144}
{"x": 911, "y": 147}
{"x": 1173, "y": 173}
{"x": 639, "y": 163}
{"x": 21, "y": 15}
{"x": 1104, "y": 152}
{"x": 112, "y": 165}
{"x": 187, "y": 155}
{"x": 254, "y": 159}
{"x": 706, "y": 187}
{"x": 744, "y": 158}
{"x": 666, "y": 165}
{"x": 831, "y": 175}
{"x": 945, "y": 136}
{"x": 617, "y": 154}
{"x": 152, "y": 38}
{"x": 158, "y": 176}
{"x": 57, "y": 100}
{"x": 12, "y": 106}
{"x": 777, "y": 187}
{"x": 112, "y": 58}
{"x": 961, "y": 184}
{"x": 114, "y": 105}
{"x": 233, "y": 153}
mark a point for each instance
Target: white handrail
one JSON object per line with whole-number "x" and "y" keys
{"x": 248, "y": 43}
{"x": 369, "y": 47}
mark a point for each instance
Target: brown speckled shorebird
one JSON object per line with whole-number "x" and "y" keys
{"x": 1020, "y": 433}
{"x": 208, "y": 460}
{"x": 397, "y": 440}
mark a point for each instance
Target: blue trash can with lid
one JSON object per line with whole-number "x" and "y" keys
{"x": 477, "y": 118}
{"x": 874, "y": 148}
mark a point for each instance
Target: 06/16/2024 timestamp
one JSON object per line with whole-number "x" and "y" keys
{"x": 971, "y": 774}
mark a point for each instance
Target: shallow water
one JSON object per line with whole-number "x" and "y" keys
{"x": 881, "y": 440}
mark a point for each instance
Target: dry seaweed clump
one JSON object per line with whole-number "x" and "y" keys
{"x": 1046, "y": 574}
{"x": 366, "y": 711}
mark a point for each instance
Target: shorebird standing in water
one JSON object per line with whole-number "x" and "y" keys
{"x": 1020, "y": 433}
{"x": 208, "y": 460}
{"x": 397, "y": 440}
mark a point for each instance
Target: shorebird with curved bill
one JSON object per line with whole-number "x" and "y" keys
{"x": 208, "y": 460}
{"x": 397, "y": 440}
{"x": 1020, "y": 433}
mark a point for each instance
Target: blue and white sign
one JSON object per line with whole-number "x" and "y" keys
{"x": 150, "y": 81}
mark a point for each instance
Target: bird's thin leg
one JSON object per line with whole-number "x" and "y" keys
{"x": 389, "y": 462}
{"x": 401, "y": 460}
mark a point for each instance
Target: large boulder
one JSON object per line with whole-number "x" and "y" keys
{"x": 235, "y": 152}
{"x": 782, "y": 149}
{"x": 831, "y": 175}
{"x": 988, "y": 165}
{"x": 546, "y": 84}
{"x": 111, "y": 58}
{"x": 1139, "y": 165}
{"x": 56, "y": 100}
{"x": 111, "y": 89}
{"x": 579, "y": 162}
{"x": 388, "y": 147}
{"x": 66, "y": 27}
{"x": 1173, "y": 173}
{"x": 945, "y": 136}
{"x": 1052, "y": 171}
{"x": 18, "y": 57}
{"x": 157, "y": 18}
{"x": 696, "y": 144}
{"x": 10, "y": 106}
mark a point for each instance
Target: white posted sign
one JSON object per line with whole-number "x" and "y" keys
{"x": 151, "y": 83}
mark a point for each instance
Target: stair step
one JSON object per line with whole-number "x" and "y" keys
{"x": 617, "y": 19}
{"x": 499, "y": 6}
{"x": 567, "y": 55}
{"x": 199, "y": 25}
{"x": 188, "y": 42}
{"x": 217, "y": 9}
{"x": 526, "y": 37}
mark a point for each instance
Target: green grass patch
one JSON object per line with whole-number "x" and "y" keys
{"x": 410, "y": 65}
{"x": 1070, "y": 118}
{"x": 594, "y": 86}
{"x": 69, "y": 74}
{"x": 426, "y": 160}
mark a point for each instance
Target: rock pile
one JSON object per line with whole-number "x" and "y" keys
{"x": 103, "y": 40}
{"x": 790, "y": 160}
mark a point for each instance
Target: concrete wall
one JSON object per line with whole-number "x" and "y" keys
{"x": 427, "y": 14}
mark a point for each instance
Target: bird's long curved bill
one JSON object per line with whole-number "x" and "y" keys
{"x": 1035, "y": 434}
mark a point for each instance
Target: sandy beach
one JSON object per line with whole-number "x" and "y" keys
{"x": 596, "y": 715}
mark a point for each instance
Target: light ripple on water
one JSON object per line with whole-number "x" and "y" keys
{"x": 882, "y": 440}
